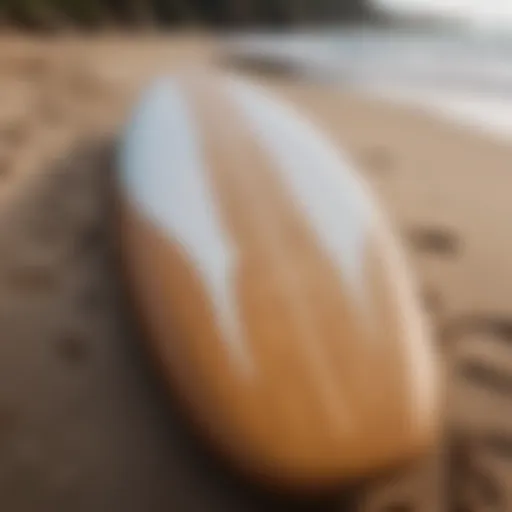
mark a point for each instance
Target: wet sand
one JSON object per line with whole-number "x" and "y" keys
{"x": 84, "y": 421}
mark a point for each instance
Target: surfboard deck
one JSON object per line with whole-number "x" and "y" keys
{"x": 276, "y": 295}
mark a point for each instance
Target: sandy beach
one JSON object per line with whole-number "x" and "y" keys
{"x": 84, "y": 422}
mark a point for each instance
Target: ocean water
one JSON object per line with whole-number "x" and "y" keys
{"x": 463, "y": 76}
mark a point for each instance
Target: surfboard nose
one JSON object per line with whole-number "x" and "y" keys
{"x": 277, "y": 298}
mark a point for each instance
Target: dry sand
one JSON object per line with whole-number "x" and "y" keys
{"x": 84, "y": 423}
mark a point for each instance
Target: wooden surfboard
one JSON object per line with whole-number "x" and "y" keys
{"x": 276, "y": 296}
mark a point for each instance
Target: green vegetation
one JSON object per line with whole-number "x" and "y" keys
{"x": 55, "y": 14}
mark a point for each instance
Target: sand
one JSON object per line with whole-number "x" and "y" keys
{"x": 85, "y": 423}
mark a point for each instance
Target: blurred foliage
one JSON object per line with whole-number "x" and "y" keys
{"x": 55, "y": 14}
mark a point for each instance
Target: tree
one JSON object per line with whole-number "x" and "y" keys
{"x": 226, "y": 13}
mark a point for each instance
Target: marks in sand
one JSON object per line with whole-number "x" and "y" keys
{"x": 434, "y": 240}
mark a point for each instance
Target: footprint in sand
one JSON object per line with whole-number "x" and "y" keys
{"x": 435, "y": 240}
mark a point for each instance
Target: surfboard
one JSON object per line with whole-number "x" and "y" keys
{"x": 276, "y": 296}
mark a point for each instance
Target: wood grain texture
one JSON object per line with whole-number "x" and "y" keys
{"x": 300, "y": 375}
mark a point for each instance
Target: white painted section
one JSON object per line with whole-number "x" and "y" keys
{"x": 163, "y": 172}
{"x": 332, "y": 197}
{"x": 289, "y": 287}
{"x": 345, "y": 215}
